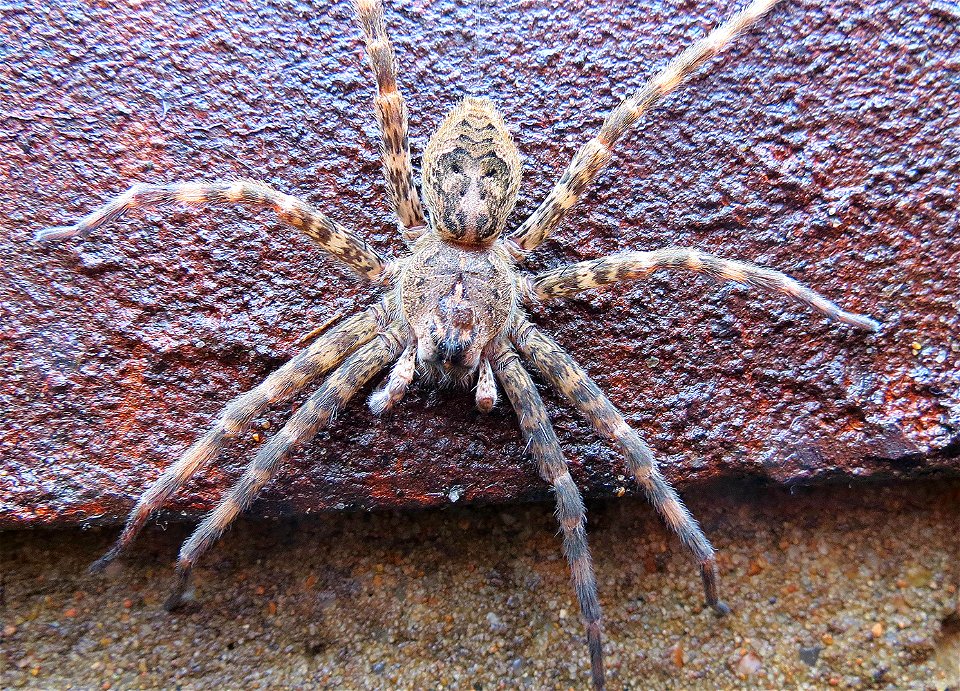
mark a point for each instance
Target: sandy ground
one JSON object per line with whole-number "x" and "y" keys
{"x": 830, "y": 587}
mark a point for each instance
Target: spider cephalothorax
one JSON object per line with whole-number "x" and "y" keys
{"x": 456, "y": 299}
{"x": 454, "y": 306}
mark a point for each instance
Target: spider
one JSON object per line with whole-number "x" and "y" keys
{"x": 454, "y": 309}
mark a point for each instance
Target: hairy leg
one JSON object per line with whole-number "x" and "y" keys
{"x": 594, "y": 155}
{"x": 342, "y": 243}
{"x": 626, "y": 266}
{"x": 543, "y": 446}
{"x": 315, "y": 413}
{"x": 326, "y": 352}
{"x": 391, "y": 111}
{"x": 558, "y": 368}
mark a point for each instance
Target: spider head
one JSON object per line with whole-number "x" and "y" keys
{"x": 451, "y": 337}
{"x": 471, "y": 174}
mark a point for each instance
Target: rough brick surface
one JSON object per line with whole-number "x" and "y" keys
{"x": 825, "y": 144}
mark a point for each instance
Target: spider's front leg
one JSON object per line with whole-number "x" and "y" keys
{"x": 329, "y": 350}
{"x": 315, "y": 413}
{"x": 391, "y": 111}
{"x": 543, "y": 446}
{"x": 572, "y": 381}
{"x": 626, "y": 266}
{"x": 342, "y": 243}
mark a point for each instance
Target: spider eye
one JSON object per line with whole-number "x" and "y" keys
{"x": 455, "y": 167}
{"x": 490, "y": 173}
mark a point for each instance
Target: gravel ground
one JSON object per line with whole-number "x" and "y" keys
{"x": 831, "y": 587}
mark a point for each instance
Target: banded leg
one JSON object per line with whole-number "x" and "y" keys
{"x": 342, "y": 243}
{"x": 326, "y": 352}
{"x": 543, "y": 446}
{"x": 315, "y": 413}
{"x": 391, "y": 112}
{"x": 594, "y": 155}
{"x": 626, "y": 266}
{"x": 562, "y": 371}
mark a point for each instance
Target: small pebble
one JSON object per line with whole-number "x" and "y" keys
{"x": 749, "y": 664}
{"x": 677, "y": 655}
{"x": 495, "y": 622}
{"x": 810, "y": 655}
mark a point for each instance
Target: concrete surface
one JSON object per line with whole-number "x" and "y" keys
{"x": 824, "y": 143}
{"x": 830, "y": 587}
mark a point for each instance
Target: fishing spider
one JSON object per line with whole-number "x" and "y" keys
{"x": 453, "y": 308}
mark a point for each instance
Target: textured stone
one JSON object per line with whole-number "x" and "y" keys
{"x": 825, "y": 143}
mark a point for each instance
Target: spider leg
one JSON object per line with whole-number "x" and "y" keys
{"x": 570, "y": 379}
{"x": 316, "y": 412}
{"x": 391, "y": 112}
{"x": 543, "y": 446}
{"x": 326, "y": 352}
{"x": 400, "y": 377}
{"x": 342, "y": 243}
{"x": 594, "y": 155}
{"x": 573, "y": 278}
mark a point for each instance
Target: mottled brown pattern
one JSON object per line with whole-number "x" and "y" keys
{"x": 471, "y": 174}
{"x": 453, "y": 303}
{"x": 456, "y": 300}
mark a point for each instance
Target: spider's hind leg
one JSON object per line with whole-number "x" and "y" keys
{"x": 315, "y": 413}
{"x": 391, "y": 112}
{"x": 543, "y": 446}
{"x": 324, "y": 353}
{"x": 562, "y": 371}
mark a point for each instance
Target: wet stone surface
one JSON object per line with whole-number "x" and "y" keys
{"x": 480, "y": 598}
{"x": 825, "y": 144}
